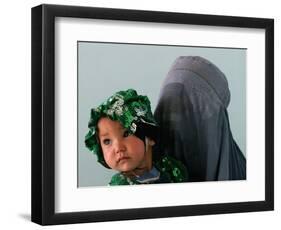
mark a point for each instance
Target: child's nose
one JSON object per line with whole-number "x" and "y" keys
{"x": 119, "y": 146}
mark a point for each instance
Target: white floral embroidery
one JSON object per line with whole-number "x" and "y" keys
{"x": 110, "y": 112}
{"x": 140, "y": 112}
{"x": 129, "y": 181}
{"x": 119, "y": 110}
{"x": 97, "y": 110}
{"x": 133, "y": 127}
{"x": 117, "y": 107}
{"x": 122, "y": 176}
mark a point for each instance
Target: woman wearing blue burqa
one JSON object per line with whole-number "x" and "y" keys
{"x": 193, "y": 119}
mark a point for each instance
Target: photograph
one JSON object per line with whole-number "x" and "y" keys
{"x": 160, "y": 114}
{"x": 149, "y": 110}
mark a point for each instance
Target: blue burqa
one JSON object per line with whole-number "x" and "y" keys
{"x": 193, "y": 119}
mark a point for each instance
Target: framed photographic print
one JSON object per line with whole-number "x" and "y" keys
{"x": 136, "y": 114}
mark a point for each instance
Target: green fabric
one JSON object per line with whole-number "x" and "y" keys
{"x": 126, "y": 107}
{"x": 174, "y": 171}
{"x": 173, "y": 168}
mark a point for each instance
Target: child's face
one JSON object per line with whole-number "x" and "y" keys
{"x": 121, "y": 151}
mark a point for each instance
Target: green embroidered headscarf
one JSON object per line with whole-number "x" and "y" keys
{"x": 128, "y": 108}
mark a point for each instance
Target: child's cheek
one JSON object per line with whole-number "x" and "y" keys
{"x": 107, "y": 158}
{"x": 108, "y": 153}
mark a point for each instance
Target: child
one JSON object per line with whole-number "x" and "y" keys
{"x": 122, "y": 135}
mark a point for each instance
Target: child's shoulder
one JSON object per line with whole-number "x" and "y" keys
{"x": 119, "y": 179}
{"x": 174, "y": 169}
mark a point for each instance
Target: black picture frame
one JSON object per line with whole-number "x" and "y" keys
{"x": 43, "y": 114}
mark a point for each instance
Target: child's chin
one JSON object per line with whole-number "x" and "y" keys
{"x": 126, "y": 168}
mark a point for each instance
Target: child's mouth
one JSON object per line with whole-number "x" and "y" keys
{"x": 122, "y": 159}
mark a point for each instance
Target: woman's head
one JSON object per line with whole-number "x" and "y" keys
{"x": 192, "y": 116}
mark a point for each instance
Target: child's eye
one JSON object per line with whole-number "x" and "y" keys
{"x": 126, "y": 133}
{"x": 106, "y": 141}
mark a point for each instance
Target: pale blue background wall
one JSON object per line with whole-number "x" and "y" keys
{"x": 104, "y": 68}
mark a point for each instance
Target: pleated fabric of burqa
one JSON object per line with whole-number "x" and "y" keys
{"x": 194, "y": 124}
